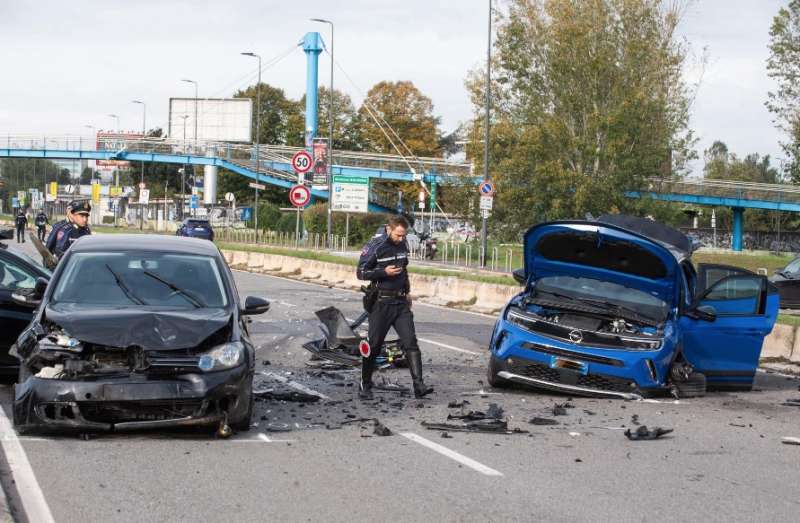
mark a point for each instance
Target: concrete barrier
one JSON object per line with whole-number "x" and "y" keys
{"x": 455, "y": 291}
{"x": 422, "y": 286}
{"x": 492, "y": 297}
{"x": 779, "y": 343}
{"x": 240, "y": 259}
{"x": 255, "y": 261}
{"x": 228, "y": 255}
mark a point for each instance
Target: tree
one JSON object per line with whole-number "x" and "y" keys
{"x": 401, "y": 106}
{"x": 588, "y": 101}
{"x": 275, "y": 111}
{"x": 345, "y": 122}
{"x": 783, "y": 66}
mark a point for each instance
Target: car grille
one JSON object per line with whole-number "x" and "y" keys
{"x": 121, "y": 411}
{"x": 566, "y": 377}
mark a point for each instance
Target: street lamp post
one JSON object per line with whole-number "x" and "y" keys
{"x": 486, "y": 132}
{"x": 183, "y": 170}
{"x": 330, "y": 134}
{"x": 92, "y": 127}
{"x": 195, "y": 107}
{"x": 116, "y": 177}
{"x": 141, "y": 183}
{"x": 258, "y": 136}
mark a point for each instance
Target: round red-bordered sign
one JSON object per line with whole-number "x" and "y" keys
{"x": 486, "y": 188}
{"x": 299, "y": 195}
{"x": 364, "y": 349}
{"x": 302, "y": 162}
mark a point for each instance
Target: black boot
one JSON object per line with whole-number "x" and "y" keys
{"x": 365, "y": 386}
{"x": 414, "y": 358}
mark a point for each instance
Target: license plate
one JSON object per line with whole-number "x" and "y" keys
{"x": 570, "y": 365}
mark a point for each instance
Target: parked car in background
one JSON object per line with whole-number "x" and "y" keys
{"x": 787, "y": 280}
{"x": 196, "y": 228}
{"x": 615, "y": 308}
{"x": 19, "y": 273}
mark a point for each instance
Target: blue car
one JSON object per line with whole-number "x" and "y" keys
{"x": 196, "y": 228}
{"x": 615, "y": 308}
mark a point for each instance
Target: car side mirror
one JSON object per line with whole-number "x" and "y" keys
{"x": 255, "y": 305}
{"x": 32, "y": 297}
{"x": 703, "y": 312}
{"x": 519, "y": 276}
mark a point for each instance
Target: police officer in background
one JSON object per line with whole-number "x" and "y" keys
{"x": 21, "y": 221}
{"x": 41, "y": 222}
{"x": 65, "y": 232}
{"x": 384, "y": 262}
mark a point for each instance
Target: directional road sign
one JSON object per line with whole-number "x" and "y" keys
{"x": 486, "y": 203}
{"x": 302, "y": 162}
{"x": 259, "y": 186}
{"x": 299, "y": 195}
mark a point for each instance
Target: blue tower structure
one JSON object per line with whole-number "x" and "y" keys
{"x": 312, "y": 46}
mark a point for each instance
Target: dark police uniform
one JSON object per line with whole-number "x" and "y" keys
{"x": 392, "y": 308}
{"x": 21, "y": 221}
{"x": 68, "y": 232}
{"x": 51, "y": 239}
{"x": 40, "y": 221}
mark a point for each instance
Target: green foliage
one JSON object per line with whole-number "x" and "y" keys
{"x": 362, "y": 226}
{"x": 21, "y": 174}
{"x": 346, "y": 130}
{"x": 588, "y": 101}
{"x": 274, "y": 111}
{"x": 407, "y": 111}
{"x": 783, "y": 66}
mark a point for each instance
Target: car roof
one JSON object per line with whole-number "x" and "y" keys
{"x": 144, "y": 242}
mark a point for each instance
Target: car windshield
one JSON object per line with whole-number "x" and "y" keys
{"x": 794, "y": 266}
{"x": 122, "y": 279}
{"x": 596, "y": 291}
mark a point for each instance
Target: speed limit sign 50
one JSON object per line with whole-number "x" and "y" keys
{"x": 301, "y": 162}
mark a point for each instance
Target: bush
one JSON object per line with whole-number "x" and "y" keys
{"x": 268, "y": 216}
{"x": 362, "y": 226}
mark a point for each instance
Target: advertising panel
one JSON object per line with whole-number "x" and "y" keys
{"x": 218, "y": 119}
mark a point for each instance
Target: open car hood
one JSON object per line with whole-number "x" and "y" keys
{"x": 602, "y": 252}
{"x": 149, "y": 329}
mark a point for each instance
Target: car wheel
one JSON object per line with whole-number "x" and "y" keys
{"x": 492, "y": 377}
{"x": 243, "y": 424}
{"x": 692, "y": 387}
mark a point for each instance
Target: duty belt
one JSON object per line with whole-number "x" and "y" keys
{"x": 392, "y": 294}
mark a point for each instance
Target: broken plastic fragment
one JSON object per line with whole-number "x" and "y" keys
{"x": 542, "y": 421}
{"x": 643, "y": 433}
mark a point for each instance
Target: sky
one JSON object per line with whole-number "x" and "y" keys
{"x": 66, "y": 65}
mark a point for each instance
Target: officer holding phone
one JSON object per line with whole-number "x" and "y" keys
{"x": 384, "y": 262}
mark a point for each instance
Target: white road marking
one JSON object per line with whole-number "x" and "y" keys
{"x": 287, "y": 304}
{"x": 264, "y": 437}
{"x": 446, "y": 346}
{"x": 293, "y": 384}
{"x": 444, "y": 451}
{"x": 36, "y": 508}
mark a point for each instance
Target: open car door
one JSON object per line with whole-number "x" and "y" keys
{"x": 727, "y": 349}
{"x": 710, "y": 273}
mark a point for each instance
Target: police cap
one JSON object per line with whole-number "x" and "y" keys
{"x": 79, "y": 207}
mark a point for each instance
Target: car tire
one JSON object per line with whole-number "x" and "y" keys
{"x": 243, "y": 425}
{"x": 492, "y": 377}
{"x": 693, "y": 387}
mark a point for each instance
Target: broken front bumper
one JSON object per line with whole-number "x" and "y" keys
{"x": 530, "y": 359}
{"x": 133, "y": 402}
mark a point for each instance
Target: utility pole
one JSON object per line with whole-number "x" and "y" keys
{"x": 486, "y": 131}
{"x": 141, "y": 183}
{"x": 330, "y": 135}
{"x": 116, "y": 177}
{"x": 258, "y": 136}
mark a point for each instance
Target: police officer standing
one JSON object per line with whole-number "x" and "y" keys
{"x": 41, "y": 222}
{"x": 384, "y": 262}
{"x": 65, "y": 232}
{"x": 21, "y": 221}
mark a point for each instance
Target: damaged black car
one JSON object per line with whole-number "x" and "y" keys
{"x": 136, "y": 332}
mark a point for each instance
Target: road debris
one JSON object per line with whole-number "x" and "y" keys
{"x": 476, "y": 421}
{"x": 542, "y": 421}
{"x": 643, "y": 433}
{"x": 286, "y": 395}
{"x": 380, "y": 429}
{"x": 789, "y": 440}
{"x": 792, "y": 402}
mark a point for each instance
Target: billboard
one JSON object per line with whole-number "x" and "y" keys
{"x": 218, "y": 119}
{"x": 111, "y": 141}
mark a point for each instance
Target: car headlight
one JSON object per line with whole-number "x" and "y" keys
{"x": 222, "y": 357}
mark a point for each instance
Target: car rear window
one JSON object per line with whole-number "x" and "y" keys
{"x": 585, "y": 248}
{"x": 197, "y": 223}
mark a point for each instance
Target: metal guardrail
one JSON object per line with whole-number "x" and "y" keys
{"x": 726, "y": 189}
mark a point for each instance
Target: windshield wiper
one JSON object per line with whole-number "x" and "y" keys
{"x": 128, "y": 293}
{"x": 190, "y": 297}
{"x": 623, "y": 310}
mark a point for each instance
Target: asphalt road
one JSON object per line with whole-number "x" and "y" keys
{"x": 724, "y": 460}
